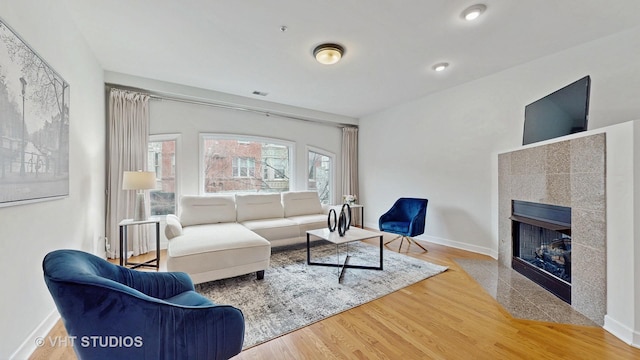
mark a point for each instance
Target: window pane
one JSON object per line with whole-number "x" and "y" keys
{"x": 161, "y": 160}
{"x": 320, "y": 176}
{"x": 244, "y": 165}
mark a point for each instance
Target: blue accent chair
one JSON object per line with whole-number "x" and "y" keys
{"x": 111, "y": 312}
{"x": 406, "y": 218}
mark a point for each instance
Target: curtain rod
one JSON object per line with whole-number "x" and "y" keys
{"x": 157, "y": 95}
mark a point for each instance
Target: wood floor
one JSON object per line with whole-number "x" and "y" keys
{"x": 448, "y": 316}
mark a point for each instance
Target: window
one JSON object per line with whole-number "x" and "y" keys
{"x": 320, "y": 174}
{"x": 244, "y": 167}
{"x": 161, "y": 158}
{"x": 236, "y": 163}
{"x": 275, "y": 168}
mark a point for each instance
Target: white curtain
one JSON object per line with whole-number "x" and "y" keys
{"x": 128, "y": 137}
{"x": 350, "y": 165}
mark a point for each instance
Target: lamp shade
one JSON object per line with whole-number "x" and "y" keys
{"x": 138, "y": 180}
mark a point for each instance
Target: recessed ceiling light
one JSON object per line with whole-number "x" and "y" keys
{"x": 473, "y": 12}
{"x": 328, "y": 54}
{"x": 440, "y": 66}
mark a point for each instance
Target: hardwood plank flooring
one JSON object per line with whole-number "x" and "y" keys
{"x": 448, "y": 316}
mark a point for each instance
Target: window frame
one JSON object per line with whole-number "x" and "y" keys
{"x": 332, "y": 169}
{"x": 241, "y": 138}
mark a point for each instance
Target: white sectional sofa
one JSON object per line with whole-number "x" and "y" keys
{"x": 222, "y": 236}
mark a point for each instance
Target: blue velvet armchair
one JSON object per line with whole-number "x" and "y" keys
{"x": 111, "y": 312}
{"x": 406, "y": 218}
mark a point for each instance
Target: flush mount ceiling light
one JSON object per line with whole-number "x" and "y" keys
{"x": 440, "y": 66}
{"x": 473, "y": 12}
{"x": 328, "y": 54}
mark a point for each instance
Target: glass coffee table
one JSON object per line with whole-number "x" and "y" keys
{"x": 353, "y": 234}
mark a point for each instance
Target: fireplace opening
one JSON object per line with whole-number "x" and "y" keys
{"x": 541, "y": 235}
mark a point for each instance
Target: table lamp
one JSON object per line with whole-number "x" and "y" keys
{"x": 140, "y": 181}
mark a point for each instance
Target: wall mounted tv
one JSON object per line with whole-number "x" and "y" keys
{"x": 560, "y": 113}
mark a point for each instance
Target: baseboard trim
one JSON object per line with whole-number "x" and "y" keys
{"x": 28, "y": 346}
{"x": 460, "y": 245}
{"x": 450, "y": 243}
{"x": 621, "y": 331}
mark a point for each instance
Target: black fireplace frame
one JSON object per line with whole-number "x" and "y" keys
{"x": 552, "y": 217}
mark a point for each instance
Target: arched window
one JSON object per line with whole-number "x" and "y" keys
{"x": 321, "y": 172}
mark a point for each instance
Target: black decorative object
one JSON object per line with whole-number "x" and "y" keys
{"x": 348, "y": 214}
{"x": 344, "y": 220}
{"x": 332, "y": 225}
{"x": 342, "y": 223}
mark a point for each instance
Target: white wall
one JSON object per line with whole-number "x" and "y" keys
{"x": 444, "y": 146}
{"x": 189, "y": 120}
{"x": 623, "y": 209}
{"x": 28, "y": 232}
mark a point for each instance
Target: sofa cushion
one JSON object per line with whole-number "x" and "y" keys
{"x": 258, "y": 206}
{"x": 213, "y": 237}
{"x": 196, "y": 210}
{"x": 301, "y": 203}
{"x": 173, "y": 227}
{"x": 310, "y": 222}
{"x": 273, "y": 229}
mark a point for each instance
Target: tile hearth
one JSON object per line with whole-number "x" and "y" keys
{"x": 521, "y": 297}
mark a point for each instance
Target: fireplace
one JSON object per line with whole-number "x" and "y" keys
{"x": 569, "y": 173}
{"x": 541, "y": 236}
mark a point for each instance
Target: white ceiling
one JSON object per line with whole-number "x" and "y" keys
{"x": 236, "y": 46}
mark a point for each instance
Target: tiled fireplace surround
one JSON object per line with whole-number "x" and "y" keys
{"x": 567, "y": 173}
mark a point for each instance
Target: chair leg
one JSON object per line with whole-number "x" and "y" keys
{"x": 413, "y": 241}
{"x": 394, "y": 239}
{"x": 409, "y": 240}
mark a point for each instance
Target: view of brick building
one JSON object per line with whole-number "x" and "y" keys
{"x": 234, "y": 166}
{"x": 245, "y": 166}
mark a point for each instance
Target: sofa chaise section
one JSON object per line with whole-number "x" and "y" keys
{"x": 222, "y": 236}
{"x": 207, "y": 243}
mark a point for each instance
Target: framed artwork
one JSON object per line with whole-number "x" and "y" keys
{"x": 34, "y": 125}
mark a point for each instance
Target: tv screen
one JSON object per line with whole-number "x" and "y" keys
{"x": 563, "y": 112}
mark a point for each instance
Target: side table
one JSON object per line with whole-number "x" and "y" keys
{"x": 361, "y": 207}
{"x": 353, "y": 206}
{"x": 124, "y": 225}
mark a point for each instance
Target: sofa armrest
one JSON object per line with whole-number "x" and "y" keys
{"x": 173, "y": 227}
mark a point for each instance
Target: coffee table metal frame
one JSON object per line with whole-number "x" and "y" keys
{"x": 353, "y": 234}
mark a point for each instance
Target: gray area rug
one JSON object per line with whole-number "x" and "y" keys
{"x": 294, "y": 294}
